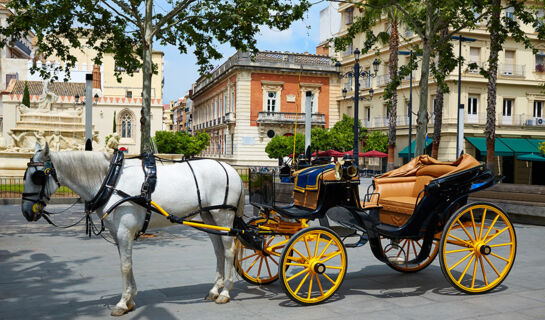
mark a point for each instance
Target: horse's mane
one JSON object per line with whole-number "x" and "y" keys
{"x": 83, "y": 166}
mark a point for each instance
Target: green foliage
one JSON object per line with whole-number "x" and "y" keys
{"x": 181, "y": 142}
{"x": 114, "y": 129}
{"x": 281, "y": 146}
{"x": 342, "y": 134}
{"x": 377, "y": 140}
{"x": 107, "y": 138}
{"x": 26, "y": 96}
{"x": 542, "y": 147}
{"x": 320, "y": 139}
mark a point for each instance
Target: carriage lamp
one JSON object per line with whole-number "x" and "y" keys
{"x": 344, "y": 93}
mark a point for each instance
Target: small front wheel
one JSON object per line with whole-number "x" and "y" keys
{"x": 478, "y": 248}
{"x": 313, "y": 265}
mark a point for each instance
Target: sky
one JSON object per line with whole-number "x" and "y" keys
{"x": 181, "y": 70}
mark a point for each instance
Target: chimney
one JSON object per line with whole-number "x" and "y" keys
{"x": 96, "y": 77}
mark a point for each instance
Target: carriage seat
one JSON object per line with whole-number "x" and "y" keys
{"x": 400, "y": 195}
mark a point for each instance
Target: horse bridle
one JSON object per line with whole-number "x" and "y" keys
{"x": 39, "y": 177}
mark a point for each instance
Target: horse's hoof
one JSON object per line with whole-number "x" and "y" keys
{"x": 222, "y": 300}
{"x": 117, "y": 311}
{"x": 211, "y": 296}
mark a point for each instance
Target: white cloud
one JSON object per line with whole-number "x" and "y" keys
{"x": 274, "y": 36}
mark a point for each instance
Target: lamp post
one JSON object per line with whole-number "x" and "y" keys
{"x": 356, "y": 73}
{"x": 459, "y": 125}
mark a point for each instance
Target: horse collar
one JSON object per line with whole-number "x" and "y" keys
{"x": 107, "y": 188}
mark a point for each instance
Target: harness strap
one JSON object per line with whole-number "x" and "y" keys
{"x": 196, "y": 185}
{"x": 148, "y": 186}
{"x": 105, "y": 192}
{"x": 226, "y": 184}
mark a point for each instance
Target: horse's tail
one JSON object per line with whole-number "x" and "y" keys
{"x": 240, "y": 206}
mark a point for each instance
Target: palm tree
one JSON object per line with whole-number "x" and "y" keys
{"x": 392, "y": 63}
{"x": 439, "y": 99}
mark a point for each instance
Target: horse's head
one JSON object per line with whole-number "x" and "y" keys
{"x": 40, "y": 183}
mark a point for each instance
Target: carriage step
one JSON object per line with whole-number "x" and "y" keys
{"x": 363, "y": 240}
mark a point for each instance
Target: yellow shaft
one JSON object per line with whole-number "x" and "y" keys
{"x": 190, "y": 223}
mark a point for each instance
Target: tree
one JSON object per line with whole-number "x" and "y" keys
{"x": 542, "y": 147}
{"x": 376, "y": 141}
{"x": 342, "y": 134}
{"x": 181, "y": 142}
{"x": 281, "y": 146}
{"x": 129, "y": 28}
{"x": 320, "y": 139}
{"x": 114, "y": 129}
{"x": 26, "y": 96}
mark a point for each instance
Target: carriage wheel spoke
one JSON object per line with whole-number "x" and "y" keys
{"x": 497, "y": 256}
{"x": 299, "y": 253}
{"x": 268, "y": 268}
{"x": 492, "y": 265}
{"x": 419, "y": 245}
{"x": 334, "y": 267}
{"x": 259, "y": 269}
{"x": 473, "y": 223}
{"x": 495, "y": 235}
{"x": 310, "y": 286}
{"x": 415, "y": 252}
{"x": 467, "y": 244}
{"x": 459, "y": 250}
{"x": 329, "y": 257}
{"x": 474, "y": 274}
{"x": 463, "y": 259}
{"x": 301, "y": 284}
{"x": 308, "y": 248}
{"x": 295, "y": 264}
{"x": 325, "y": 248}
{"x": 252, "y": 255}
{"x": 465, "y": 230}
{"x": 252, "y": 265}
{"x": 501, "y": 244}
{"x": 491, "y": 226}
{"x": 296, "y": 275}
{"x": 317, "y": 244}
{"x": 275, "y": 262}
{"x": 482, "y": 224}
{"x": 484, "y": 272}
{"x": 465, "y": 270}
{"x": 328, "y": 278}
{"x": 319, "y": 284}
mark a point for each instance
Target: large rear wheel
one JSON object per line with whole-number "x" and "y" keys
{"x": 260, "y": 267}
{"x": 401, "y": 254}
{"x": 478, "y": 248}
{"x": 313, "y": 265}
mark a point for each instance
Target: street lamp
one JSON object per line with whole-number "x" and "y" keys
{"x": 460, "y": 125}
{"x": 410, "y": 109}
{"x": 356, "y": 73}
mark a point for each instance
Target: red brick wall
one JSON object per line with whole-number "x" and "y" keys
{"x": 290, "y": 87}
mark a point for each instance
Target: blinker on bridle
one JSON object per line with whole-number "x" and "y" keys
{"x": 39, "y": 177}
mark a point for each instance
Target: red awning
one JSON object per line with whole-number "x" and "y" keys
{"x": 373, "y": 154}
{"x": 329, "y": 153}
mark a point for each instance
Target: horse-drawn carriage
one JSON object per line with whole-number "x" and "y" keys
{"x": 413, "y": 214}
{"x": 408, "y": 216}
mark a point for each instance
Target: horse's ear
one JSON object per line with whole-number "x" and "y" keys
{"x": 37, "y": 148}
{"x": 46, "y": 150}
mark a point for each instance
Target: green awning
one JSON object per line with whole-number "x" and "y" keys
{"x": 536, "y": 142}
{"x": 405, "y": 152}
{"x": 500, "y": 149}
{"x": 531, "y": 157}
{"x": 519, "y": 145}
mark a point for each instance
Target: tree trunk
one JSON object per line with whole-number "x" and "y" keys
{"x": 438, "y": 115}
{"x": 394, "y": 44}
{"x": 495, "y": 47}
{"x": 438, "y": 110}
{"x": 422, "y": 117}
{"x": 147, "y": 72}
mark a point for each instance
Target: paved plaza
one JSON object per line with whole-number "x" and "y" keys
{"x": 49, "y": 273}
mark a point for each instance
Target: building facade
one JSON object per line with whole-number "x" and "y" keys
{"x": 247, "y": 100}
{"x": 519, "y": 106}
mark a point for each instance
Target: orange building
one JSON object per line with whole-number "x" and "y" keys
{"x": 248, "y": 100}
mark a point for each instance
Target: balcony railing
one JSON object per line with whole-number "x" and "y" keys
{"x": 383, "y": 79}
{"x": 230, "y": 117}
{"x": 379, "y": 122}
{"x": 512, "y": 70}
{"x": 289, "y": 117}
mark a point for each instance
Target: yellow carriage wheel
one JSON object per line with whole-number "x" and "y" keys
{"x": 478, "y": 248}
{"x": 313, "y": 265}
{"x": 402, "y": 253}
{"x": 257, "y": 267}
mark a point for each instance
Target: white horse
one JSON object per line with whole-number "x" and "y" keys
{"x": 176, "y": 192}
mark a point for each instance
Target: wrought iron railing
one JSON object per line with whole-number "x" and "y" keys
{"x": 288, "y": 117}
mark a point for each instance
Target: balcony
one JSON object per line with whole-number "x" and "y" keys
{"x": 512, "y": 70}
{"x": 379, "y": 122}
{"x": 475, "y": 70}
{"x": 383, "y": 79}
{"x": 289, "y": 118}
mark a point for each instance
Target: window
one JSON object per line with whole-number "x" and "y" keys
{"x": 312, "y": 98}
{"x": 539, "y": 15}
{"x": 126, "y": 125}
{"x": 119, "y": 69}
{"x": 540, "y": 62}
{"x": 472, "y": 105}
{"x": 349, "y": 49}
{"x": 349, "y": 16}
{"x": 9, "y": 77}
{"x": 508, "y": 107}
{"x": 271, "y": 101}
{"x": 232, "y": 100}
{"x": 367, "y": 116}
{"x": 225, "y": 106}
{"x": 509, "y": 67}
{"x": 368, "y": 79}
{"x": 510, "y": 13}
{"x": 348, "y": 83}
{"x": 129, "y": 94}
{"x": 538, "y": 109}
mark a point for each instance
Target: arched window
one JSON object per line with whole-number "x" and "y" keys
{"x": 126, "y": 124}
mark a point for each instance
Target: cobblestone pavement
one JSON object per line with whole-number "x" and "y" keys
{"x": 48, "y": 273}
